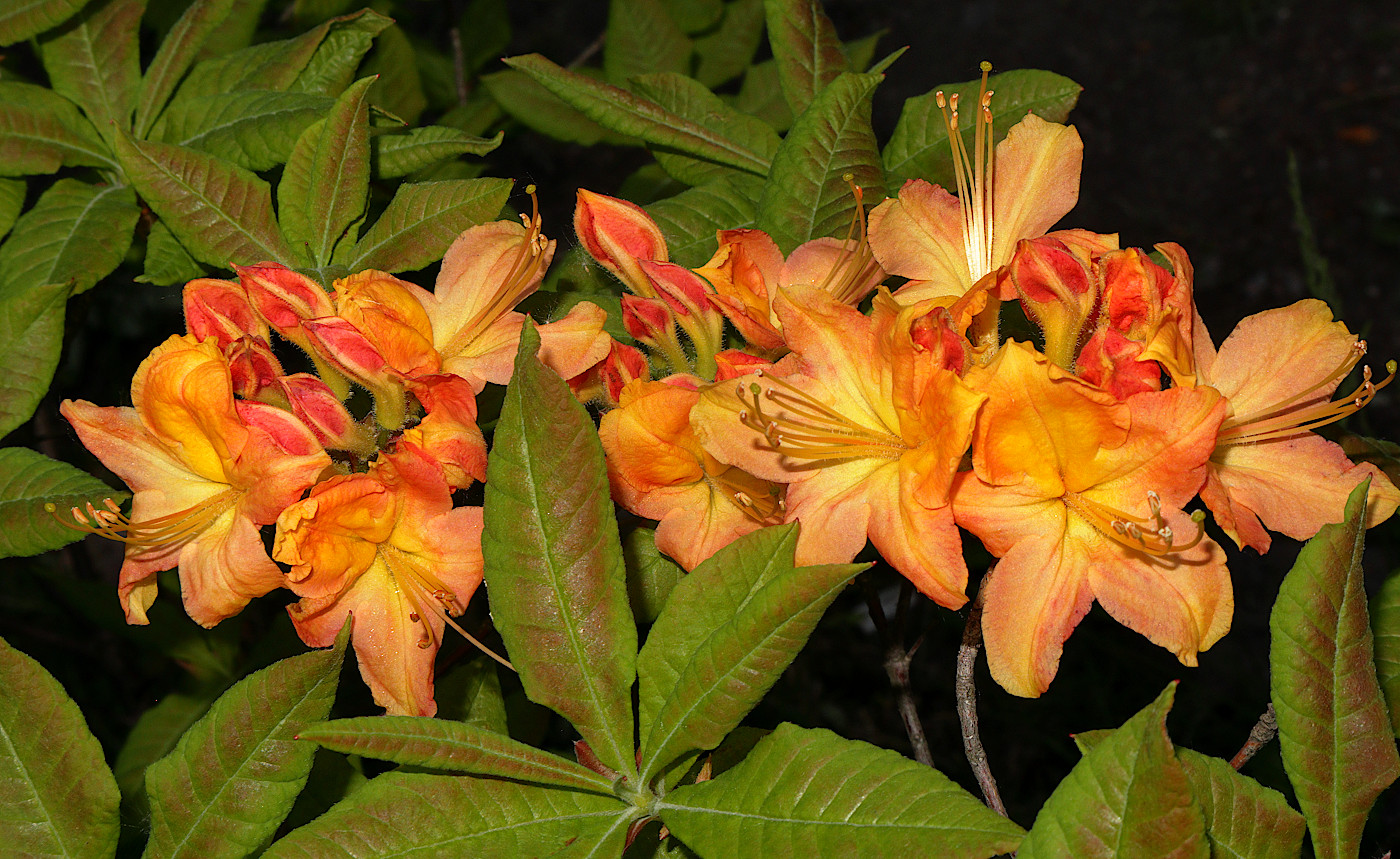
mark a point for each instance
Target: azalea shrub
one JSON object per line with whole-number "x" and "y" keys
{"x": 436, "y": 528}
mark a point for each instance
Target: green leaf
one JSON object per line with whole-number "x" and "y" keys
{"x": 402, "y": 814}
{"x": 97, "y": 63}
{"x": 760, "y": 95}
{"x": 59, "y": 798}
{"x": 75, "y": 233}
{"x": 650, "y": 575}
{"x": 728, "y": 632}
{"x": 806, "y": 196}
{"x": 422, "y": 221}
{"x": 638, "y": 117}
{"x": 220, "y": 212}
{"x": 453, "y": 746}
{"x": 325, "y": 184}
{"x": 690, "y": 219}
{"x": 41, "y": 131}
{"x": 808, "y": 792}
{"x": 398, "y": 154}
{"x": 1337, "y": 743}
{"x": 724, "y": 53}
{"x": 28, "y": 481}
{"x": 687, "y": 98}
{"x": 919, "y": 147}
{"x": 553, "y": 562}
{"x": 166, "y": 260}
{"x": 11, "y": 201}
{"x": 20, "y": 21}
{"x": 31, "y": 335}
{"x": 1244, "y": 819}
{"x": 331, "y": 68}
{"x": 806, "y": 48}
{"x": 1385, "y": 622}
{"x": 471, "y": 693}
{"x": 528, "y": 102}
{"x": 254, "y": 129}
{"x": 173, "y": 58}
{"x": 394, "y": 61}
{"x": 642, "y": 37}
{"x": 694, "y": 16}
{"x": 154, "y": 736}
{"x": 1127, "y": 797}
{"x": 235, "y": 774}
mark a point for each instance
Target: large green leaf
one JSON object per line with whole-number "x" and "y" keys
{"x": 1336, "y": 739}
{"x": 628, "y": 114}
{"x": 807, "y": 792}
{"x": 1385, "y": 622}
{"x": 394, "y": 61}
{"x": 235, "y": 774}
{"x": 453, "y": 746}
{"x": 690, "y": 219}
{"x": 1244, "y": 819}
{"x": 760, "y": 95}
{"x": 57, "y": 797}
{"x": 25, "y": 18}
{"x": 471, "y": 693}
{"x": 332, "y": 67}
{"x": 31, "y": 336}
{"x": 154, "y": 736}
{"x": 173, "y": 58}
{"x": 728, "y": 631}
{"x": 687, "y": 98}
{"x": 399, "y": 154}
{"x": 220, "y": 212}
{"x": 325, "y": 184}
{"x": 528, "y": 102}
{"x": 97, "y": 63}
{"x": 166, "y": 260}
{"x": 28, "y": 481}
{"x": 12, "y": 193}
{"x": 919, "y": 147}
{"x": 411, "y": 814}
{"x": 642, "y": 38}
{"x": 41, "y": 131}
{"x": 725, "y": 52}
{"x": 422, "y": 221}
{"x": 807, "y": 196}
{"x": 651, "y": 576}
{"x": 1127, "y": 797}
{"x": 75, "y": 233}
{"x": 255, "y": 129}
{"x": 806, "y": 48}
{"x": 553, "y": 562}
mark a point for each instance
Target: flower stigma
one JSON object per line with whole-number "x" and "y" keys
{"x": 169, "y": 531}
{"x": 974, "y": 172}
{"x": 1150, "y": 535}
{"x": 809, "y": 428}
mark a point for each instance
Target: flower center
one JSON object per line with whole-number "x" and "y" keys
{"x": 759, "y": 500}
{"x": 1286, "y": 418}
{"x": 974, "y": 171}
{"x": 1150, "y": 535}
{"x": 174, "y": 529}
{"x": 807, "y": 428}
{"x": 428, "y": 595}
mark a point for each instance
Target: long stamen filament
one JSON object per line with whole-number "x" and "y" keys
{"x": 429, "y": 595}
{"x": 853, "y": 268}
{"x": 974, "y": 172}
{"x": 1281, "y": 421}
{"x": 173, "y": 529}
{"x": 807, "y": 428}
{"x": 1150, "y": 535}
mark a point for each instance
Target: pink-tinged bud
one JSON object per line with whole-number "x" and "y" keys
{"x": 347, "y": 349}
{"x": 689, "y": 296}
{"x": 390, "y": 314}
{"x": 622, "y": 365}
{"x": 618, "y": 234}
{"x": 1137, "y": 292}
{"x": 733, "y": 363}
{"x": 252, "y": 367}
{"x": 284, "y": 298}
{"x": 317, "y": 406}
{"x": 648, "y": 320}
{"x": 220, "y": 309}
{"x": 1057, "y": 290}
{"x": 1117, "y": 365}
{"x": 935, "y": 332}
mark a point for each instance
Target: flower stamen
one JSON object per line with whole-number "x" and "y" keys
{"x": 169, "y": 531}
{"x": 974, "y": 172}
{"x": 807, "y": 428}
{"x": 1282, "y": 419}
{"x": 855, "y": 267}
{"x": 428, "y": 595}
{"x": 1150, "y": 534}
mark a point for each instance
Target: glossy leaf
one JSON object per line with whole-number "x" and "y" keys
{"x": 1244, "y": 819}
{"x": 692, "y": 102}
{"x": 806, "y": 196}
{"x": 553, "y": 562}
{"x": 806, "y": 48}
{"x": 235, "y": 774}
{"x": 651, "y": 576}
{"x": 57, "y": 797}
{"x": 401, "y": 814}
{"x": 422, "y": 221}
{"x": 398, "y": 155}
{"x": 332, "y": 67}
{"x": 808, "y": 792}
{"x": 220, "y": 212}
{"x": 96, "y": 64}
{"x": 1128, "y": 796}
{"x": 31, "y": 335}
{"x": 75, "y": 233}
{"x": 254, "y": 129}
{"x": 642, "y": 38}
{"x": 729, "y": 630}
{"x": 919, "y": 149}
{"x": 28, "y": 481}
{"x": 724, "y": 53}
{"x": 272, "y": 66}
{"x": 690, "y": 219}
{"x": 166, "y": 260}
{"x": 471, "y": 693}
{"x": 20, "y": 21}
{"x": 528, "y": 101}
{"x": 325, "y": 184}
{"x": 41, "y": 131}
{"x": 453, "y": 746}
{"x": 1385, "y": 623}
{"x": 1337, "y": 743}
{"x": 628, "y": 114}
{"x": 173, "y": 58}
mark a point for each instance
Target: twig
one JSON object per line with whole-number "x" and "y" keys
{"x": 1259, "y": 736}
{"x": 459, "y": 65}
{"x": 967, "y": 703}
{"x": 897, "y": 659}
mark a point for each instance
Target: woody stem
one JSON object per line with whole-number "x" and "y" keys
{"x": 1259, "y": 736}
{"x": 967, "y": 703}
{"x": 897, "y": 659}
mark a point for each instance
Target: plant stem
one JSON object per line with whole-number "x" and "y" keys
{"x": 897, "y": 659}
{"x": 1259, "y": 736}
{"x": 967, "y": 703}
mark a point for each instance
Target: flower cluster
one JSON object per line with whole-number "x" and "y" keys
{"x": 221, "y": 441}
{"x": 1071, "y": 461}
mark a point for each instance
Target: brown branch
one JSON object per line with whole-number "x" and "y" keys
{"x": 1259, "y": 736}
{"x": 897, "y": 659}
{"x": 967, "y": 703}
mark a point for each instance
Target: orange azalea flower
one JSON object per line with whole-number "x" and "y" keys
{"x": 206, "y": 472}
{"x": 1278, "y": 371}
{"x": 1079, "y": 496}
{"x": 867, "y": 425}
{"x": 659, "y": 470}
{"x": 387, "y": 546}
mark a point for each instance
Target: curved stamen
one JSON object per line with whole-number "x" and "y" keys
{"x": 428, "y": 595}
{"x": 1150, "y": 534}
{"x": 856, "y": 265}
{"x": 1282, "y": 420}
{"x": 171, "y": 530}
{"x": 807, "y": 428}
